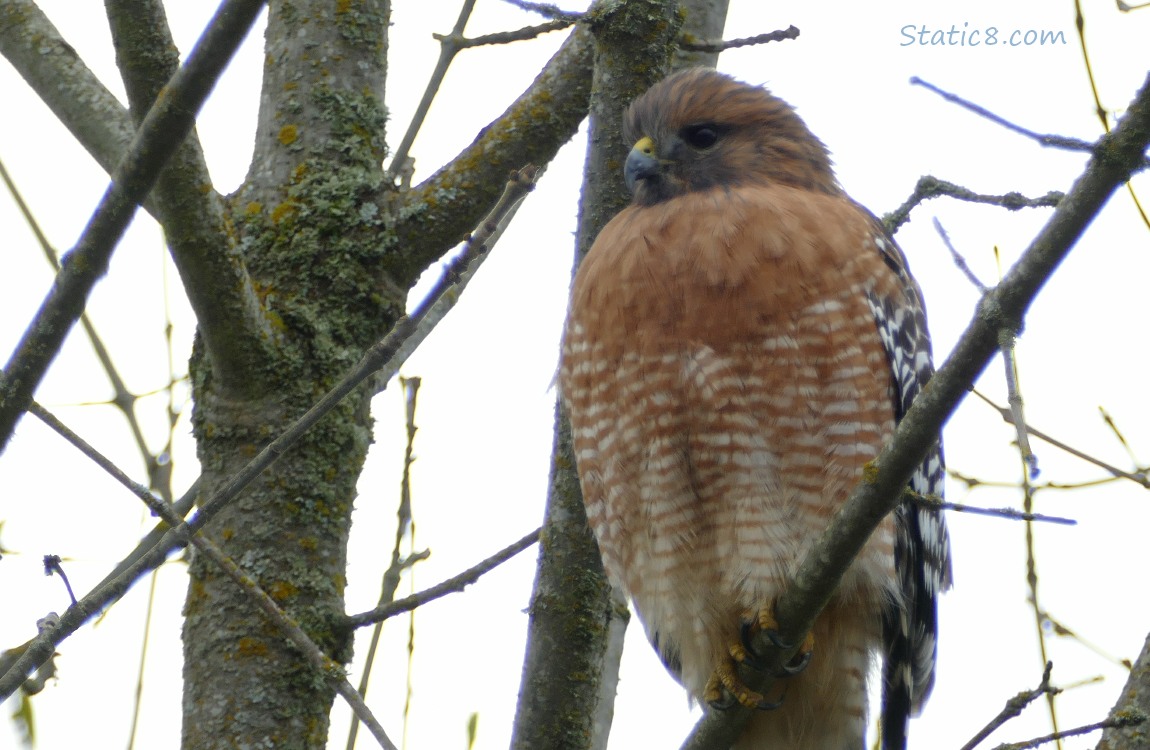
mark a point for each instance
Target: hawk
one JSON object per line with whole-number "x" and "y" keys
{"x": 740, "y": 341}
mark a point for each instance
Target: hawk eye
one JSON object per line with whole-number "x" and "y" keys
{"x": 701, "y": 136}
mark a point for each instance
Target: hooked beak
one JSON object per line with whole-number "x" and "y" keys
{"x": 642, "y": 162}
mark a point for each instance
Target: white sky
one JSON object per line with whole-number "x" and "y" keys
{"x": 485, "y": 409}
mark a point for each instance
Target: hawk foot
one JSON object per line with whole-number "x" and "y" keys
{"x": 766, "y": 624}
{"x": 725, "y": 689}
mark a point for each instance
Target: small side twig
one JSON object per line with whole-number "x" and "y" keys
{"x": 1115, "y": 722}
{"x": 791, "y": 32}
{"x": 928, "y": 501}
{"x": 1014, "y": 398}
{"x": 929, "y": 186}
{"x": 1014, "y": 707}
{"x": 957, "y": 256}
{"x": 1048, "y": 139}
{"x": 1139, "y": 478}
{"x": 460, "y": 42}
{"x": 330, "y": 670}
{"x": 52, "y": 566}
{"x": 547, "y": 10}
{"x": 451, "y": 585}
{"x": 458, "y": 273}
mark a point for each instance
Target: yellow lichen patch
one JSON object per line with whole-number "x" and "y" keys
{"x": 288, "y": 134}
{"x": 309, "y": 543}
{"x": 253, "y": 208}
{"x": 251, "y": 647}
{"x": 343, "y": 6}
{"x": 283, "y": 211}
{"x": 227, "y": 533}
{"x": 281, "y": 590}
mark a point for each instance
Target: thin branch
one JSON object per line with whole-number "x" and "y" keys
{"x": 1007, "y": 513}
{"x": 399, "y": 563}
{"x": 447, "y": 51}
{"x": 1014, "y": 398}
{"x": 158, "y": 136}
{"x": 957, "y": 257}
{"x": 122, "y": 398}
{"x": 791, "y": 32}
{"x": 484, "y": 237}
{"x": 330, "y": 670}
{"x": 461, "y": 42}
{"x": 1080, "y": 27}
{"x": 437, "y": 214}
{"x": 1118, "y": 154}
{"x": 51, "y": 67}
{"x": 230, "y": 320}
{"x": 382, "y": 356}
{"x": 52, "y": 566}
{"x": 547, "y": 10}
{"x": 1013, "y": 708}
{"x": 1062, "y": 631}
{"x": 455, "y": 584}
{"x": 1117, "y": 722}
{"x": 1049, "y": 139}
{"x": 1139, "y": 478}
{"x": 929, "y": 186}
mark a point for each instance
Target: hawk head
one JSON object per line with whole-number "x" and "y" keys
{"x": 698, "y": 129}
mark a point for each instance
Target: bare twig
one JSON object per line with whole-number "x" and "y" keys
{"x": 958, "y": 259}
{"x": 1007, "y": 513}
{"x": 885, "y": 477}
{"x": 547, "y": 10}
{"x": 1116, "y": 722}
{"x": 929, "y": 186}
{"x": 452, "y": 585}
{"x": 157, "y": 138}
{"x": 330, "y": 671}
{"x": 1064, "y": 632}
{"x": 1014, "y": 398}
{"x": 385, "y": 355}
{"x": 1013, "y": 708}
{"x": 399, "y": 563}
{"x": 461, "y": 42}
{"x": 122, "y": 398}
{"x": 1139, "y": 478}
{"x": 1055, "y": 141}
{"x": 791, "y": 32}
{"x": 52, "y": 566}
{"x": 456, "y": 276}
{"x": 448, "y": 48}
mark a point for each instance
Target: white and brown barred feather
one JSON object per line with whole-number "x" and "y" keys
{"x": 922, "y": 544}
{"x": 724, "y": 253}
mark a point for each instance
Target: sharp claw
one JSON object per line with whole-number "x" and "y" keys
{"x": 766, "y": 705}
{"x": 777, "y": 641}
{"x": 751, "y": 658}
{"x": 726, "y": 703}
{"x": 797, "y": 664}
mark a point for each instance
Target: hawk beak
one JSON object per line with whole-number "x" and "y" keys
{"x": 642, "y": 162}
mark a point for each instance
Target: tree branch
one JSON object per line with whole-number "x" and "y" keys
{"x": 386, "y": 355}
{"x": 230, "y": 319}
{"x": 438, "y": 213}
{"x": 56, "y": 73}
{"x": 1133, "y": 703}
{"x": 452, "y": 585}
{"x": 1116, "y": 156}
{"x": 158, "y": 136}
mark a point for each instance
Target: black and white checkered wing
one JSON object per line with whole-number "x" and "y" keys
{"x": 922, "y": 545}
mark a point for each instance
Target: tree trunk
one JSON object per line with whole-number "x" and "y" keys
{"x": 309, "y": 226}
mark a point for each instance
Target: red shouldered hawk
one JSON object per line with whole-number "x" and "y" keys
{"x": 741, "y": 340}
